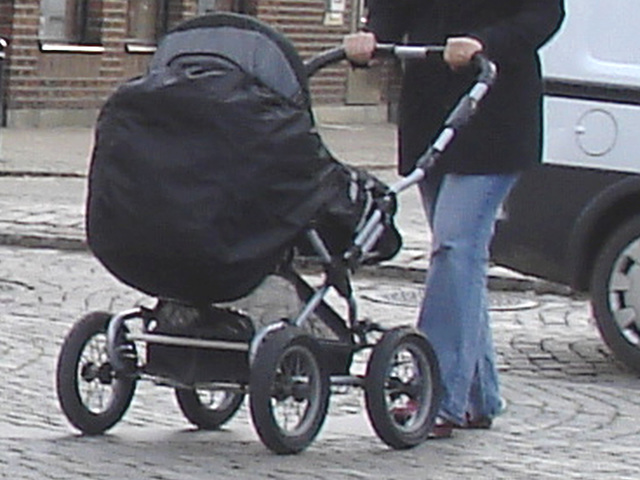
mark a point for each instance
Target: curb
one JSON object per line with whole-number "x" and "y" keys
{"x": 46, "y": 242}
{"x": 384, "y": 270}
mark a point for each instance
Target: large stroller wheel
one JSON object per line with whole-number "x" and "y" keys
{"x": 289, "y": 391}
{"x": 92, "y": 396}
{"x": 208, "y": 409}
{"x": 402, "y": 388}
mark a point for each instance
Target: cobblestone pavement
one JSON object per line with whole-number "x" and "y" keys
{"x": 571, "y": 410}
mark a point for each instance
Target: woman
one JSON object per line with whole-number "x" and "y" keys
{"x": 463, "y": 192}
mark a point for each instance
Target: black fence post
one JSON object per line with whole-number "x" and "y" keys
{"x": 3, "y": 103}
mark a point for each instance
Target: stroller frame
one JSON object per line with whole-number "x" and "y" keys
{"x": 401, "y": 426}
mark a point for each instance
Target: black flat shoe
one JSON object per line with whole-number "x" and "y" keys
{"x": 442, "y": 429}
{"x": 478, "y": 423}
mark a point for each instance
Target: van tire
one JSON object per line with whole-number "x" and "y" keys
{"x": 615, "y": 292}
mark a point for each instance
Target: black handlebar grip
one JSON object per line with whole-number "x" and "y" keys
{"x": 487, "y": 70}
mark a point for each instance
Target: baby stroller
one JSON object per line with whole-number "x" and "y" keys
{"x": 207, "y": 181}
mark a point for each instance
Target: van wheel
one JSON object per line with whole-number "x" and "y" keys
{"x": 615, "y": 293}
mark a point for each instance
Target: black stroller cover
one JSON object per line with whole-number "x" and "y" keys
{"x": 207, "y": 168}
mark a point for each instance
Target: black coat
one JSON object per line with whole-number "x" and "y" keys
{"x": 505, "y": 135}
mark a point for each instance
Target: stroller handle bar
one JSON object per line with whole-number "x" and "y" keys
{"x": 486, "y": 68}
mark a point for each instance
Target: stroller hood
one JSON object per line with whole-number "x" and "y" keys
{"x": 206, "y": 168}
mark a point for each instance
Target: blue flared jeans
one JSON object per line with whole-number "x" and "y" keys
{"x": 462, "y": 211}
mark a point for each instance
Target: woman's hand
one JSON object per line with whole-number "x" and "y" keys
{"x": 459, "y": 51}
{"x": 359, "y": 47}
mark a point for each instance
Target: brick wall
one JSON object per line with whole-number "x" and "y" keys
{"x": 47, "y": 83}
{"x": 6, "y": 14}
{"x": 41, "y": 83}
{"x": 302, "y": 22}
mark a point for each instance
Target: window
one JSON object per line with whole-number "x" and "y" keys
{"x": 147, "y": 20}
{"x": 70, "y": 21}
{"x": 208, "y": 6}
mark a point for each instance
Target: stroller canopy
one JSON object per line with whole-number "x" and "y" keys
{"x": 256, "y": 48}
{"x": 205, "y": 169}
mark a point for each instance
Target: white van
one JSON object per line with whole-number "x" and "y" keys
{"x": 576, "y": 220}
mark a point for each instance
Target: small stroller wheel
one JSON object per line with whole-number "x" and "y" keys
{"x": 289, "y": 391}
{"x": 91, "y": 395}
{"x": 208, "y": 409}
{"x": 402, "y": 388}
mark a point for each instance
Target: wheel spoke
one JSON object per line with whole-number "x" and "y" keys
{"x": 294, "y": 393}
{"x": 94, "y": 391}
{"x": 620, "y": 282}
{"x": 208, "y": 409}
{"x": 625, "y": 317}
{"x": 214, "y": 399}
{"x": 633, "y": 252}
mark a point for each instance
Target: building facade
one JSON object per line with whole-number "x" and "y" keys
{"x": 64, "y": 57}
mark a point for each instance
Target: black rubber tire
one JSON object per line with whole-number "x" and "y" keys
{"x": 386, "y": 391}
{"x": 203, "y": 415}
{"x": 609, "y": 301}
{"x": 73, "y": 371}
{"x": 284, "y": 356}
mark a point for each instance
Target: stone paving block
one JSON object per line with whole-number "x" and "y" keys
{"x": 568, "y": 401}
